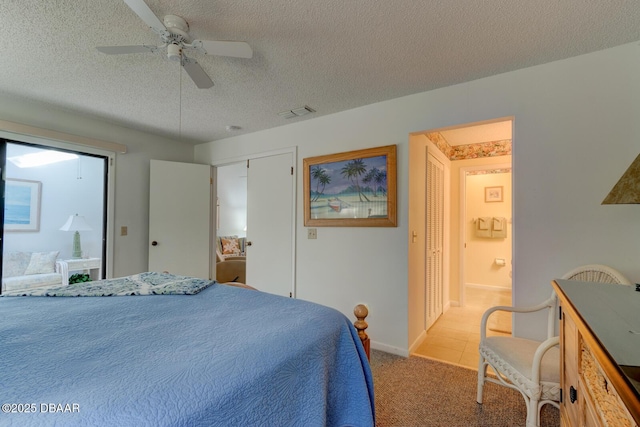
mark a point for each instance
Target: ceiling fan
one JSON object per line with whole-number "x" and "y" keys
{"x": 174, "y": 33}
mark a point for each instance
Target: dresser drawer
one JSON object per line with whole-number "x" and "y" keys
{"x": 602, "y": 396}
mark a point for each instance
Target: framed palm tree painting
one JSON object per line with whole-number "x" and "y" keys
{"x": 351, "y": 189}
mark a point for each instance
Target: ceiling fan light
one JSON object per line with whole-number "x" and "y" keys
{"x": 174, "y": 52}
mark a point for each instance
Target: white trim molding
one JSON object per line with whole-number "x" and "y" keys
{"x": 61, "y": 136}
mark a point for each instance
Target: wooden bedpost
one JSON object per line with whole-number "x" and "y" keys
{"x": 361, "y": 313}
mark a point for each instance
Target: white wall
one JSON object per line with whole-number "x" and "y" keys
{"x": 576, "y": 131}
{"x": 131, "y": 171}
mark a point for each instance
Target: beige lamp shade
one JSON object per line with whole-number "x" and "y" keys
{"x": 627, "y": 189}
{"x": 76, "y": 223}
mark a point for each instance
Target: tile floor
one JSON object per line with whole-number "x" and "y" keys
{"x": 455, "y": 336}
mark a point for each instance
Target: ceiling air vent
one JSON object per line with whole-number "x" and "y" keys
{"x": 296, "y": 112}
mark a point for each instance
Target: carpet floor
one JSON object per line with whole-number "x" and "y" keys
{"x": 416, "y": 391}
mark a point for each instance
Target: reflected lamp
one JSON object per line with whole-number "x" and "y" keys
{"x": 76, "y": 223}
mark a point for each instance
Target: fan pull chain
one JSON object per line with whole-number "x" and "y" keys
{"x": 180, "y": 112}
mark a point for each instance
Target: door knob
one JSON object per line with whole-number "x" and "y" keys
{"x": 154, "y": 243}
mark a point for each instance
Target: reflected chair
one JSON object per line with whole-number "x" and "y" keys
{"x": 529, "y": 366}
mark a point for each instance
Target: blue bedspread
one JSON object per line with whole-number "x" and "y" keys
{"x": 224, "y": 357}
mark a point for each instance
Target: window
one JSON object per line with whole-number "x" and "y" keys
{"x": 44, "y": 187}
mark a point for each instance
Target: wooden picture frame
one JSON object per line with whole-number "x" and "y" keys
{"x": 351, "y": 189}
{"x": 22, "y": 205}
{"x": 493, "y": 194}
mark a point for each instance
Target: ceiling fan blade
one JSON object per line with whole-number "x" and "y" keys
{"x": 224, "y": 48}
{"x": 197, "y": 74}
{"x": 144, "y": 12}
{"x": 116, "y": 50}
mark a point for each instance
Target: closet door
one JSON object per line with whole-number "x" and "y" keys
{"x": 435, "y": 238}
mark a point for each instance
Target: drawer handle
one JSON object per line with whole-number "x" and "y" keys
{"x": 573, "y": 394}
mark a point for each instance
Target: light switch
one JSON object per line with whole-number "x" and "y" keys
{"x": 123, "y": 230}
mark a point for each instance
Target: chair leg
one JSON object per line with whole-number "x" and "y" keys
{"x": 533, "y": 413}
{"x": 482, "y": 373}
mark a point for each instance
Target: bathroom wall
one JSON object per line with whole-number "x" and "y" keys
{"x": 482, "y": 253}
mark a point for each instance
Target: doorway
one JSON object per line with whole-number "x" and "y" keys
{"x": 486, "y": 244}
{"x": 469, "y": 149}
{"x": 268, "y": 215}
{"x": 231, "y": 202}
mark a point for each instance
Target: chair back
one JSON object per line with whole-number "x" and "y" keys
{"x": 597, "y": 273}
{"x": 588, "y": 273}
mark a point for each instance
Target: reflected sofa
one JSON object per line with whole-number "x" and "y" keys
{"x": 28, "y": 270}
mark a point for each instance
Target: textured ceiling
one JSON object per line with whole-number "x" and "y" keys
{"x": 331, "y": 55}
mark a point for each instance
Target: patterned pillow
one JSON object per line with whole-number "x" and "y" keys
{"x": 15, "y": 263}
{"x": 219, "y": 240}
{"x": 230, "y": 246}
{"x": 42, "y": 263}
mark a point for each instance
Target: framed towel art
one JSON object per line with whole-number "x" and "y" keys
{"x": 22, "y": 205}
{"x": 351, "y": 189}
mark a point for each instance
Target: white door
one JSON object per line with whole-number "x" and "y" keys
{"x": 180, "y": 209}
{"x": 270, "y": 220}
{"x": 435, "y": 238}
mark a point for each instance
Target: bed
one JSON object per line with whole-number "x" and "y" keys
{"x": 215, "y": 355}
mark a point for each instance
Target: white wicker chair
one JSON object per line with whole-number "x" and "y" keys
{"x": 533, "y": 367}
{"x": 597, "y": 273}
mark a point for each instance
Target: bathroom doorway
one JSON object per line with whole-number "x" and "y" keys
{"x": 478, "y": 157}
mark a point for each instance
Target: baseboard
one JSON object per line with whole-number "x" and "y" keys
{"x": 389, "y": 349}
{"x": 418, "y": 341}
{"x": 447, "y": 362}
{"x": 454, "y": 303}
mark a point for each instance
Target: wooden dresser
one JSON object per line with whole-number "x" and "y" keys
{"x": 600, "y": 354}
